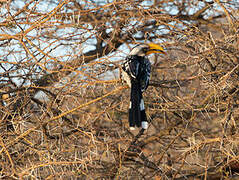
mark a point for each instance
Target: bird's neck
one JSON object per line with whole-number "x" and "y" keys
{"x": 136, "y": 57}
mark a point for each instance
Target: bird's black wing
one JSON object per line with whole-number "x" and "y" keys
{"x": 132, "y": 66}
{"x": 145, "y": 70}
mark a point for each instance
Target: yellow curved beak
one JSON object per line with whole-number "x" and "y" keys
{"x": 155, "y": 48}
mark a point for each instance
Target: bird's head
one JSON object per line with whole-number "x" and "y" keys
{"x": 146, "y": 49}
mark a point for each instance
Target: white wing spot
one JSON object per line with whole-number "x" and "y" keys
{"x": 141, "y": 105}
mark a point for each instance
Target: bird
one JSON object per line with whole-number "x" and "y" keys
{"x": 136, "y": 70}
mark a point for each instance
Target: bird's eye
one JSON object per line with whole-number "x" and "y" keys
{"x": 145, "y": 49}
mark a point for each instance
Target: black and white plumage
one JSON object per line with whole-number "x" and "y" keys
{"x": 136, "y": 72}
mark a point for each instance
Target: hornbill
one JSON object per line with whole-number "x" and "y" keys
{"x": 136, "y": 72}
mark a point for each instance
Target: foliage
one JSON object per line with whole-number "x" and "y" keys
{"x": 63, "y": 110}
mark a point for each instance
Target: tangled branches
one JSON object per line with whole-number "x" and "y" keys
{"x": 63, "y": 107}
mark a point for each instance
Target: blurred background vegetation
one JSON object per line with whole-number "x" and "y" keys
{"x": 63, "y": 106}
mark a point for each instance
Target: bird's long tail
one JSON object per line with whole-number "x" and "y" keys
{"x": 137, "y": 115}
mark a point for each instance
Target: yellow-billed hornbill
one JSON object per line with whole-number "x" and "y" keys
{"x": 136, "y": 72}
